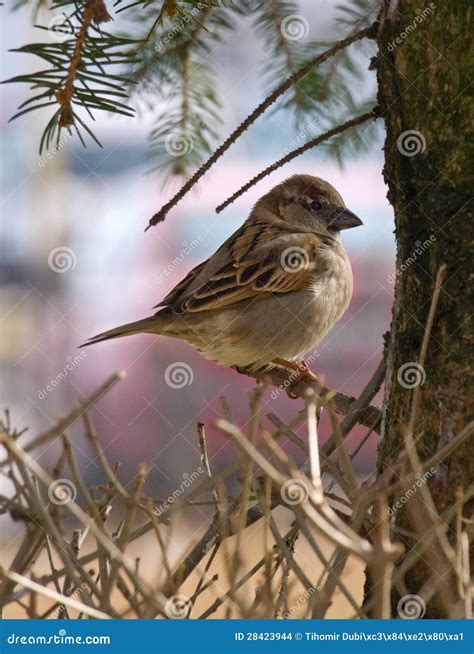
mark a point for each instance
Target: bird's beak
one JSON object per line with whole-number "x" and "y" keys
{"x": 345, "y": 219}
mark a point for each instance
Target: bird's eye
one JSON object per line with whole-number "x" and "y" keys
{"x": 315, "y": 205}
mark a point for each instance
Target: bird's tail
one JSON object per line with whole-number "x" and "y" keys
{"x": 146, "y": 325}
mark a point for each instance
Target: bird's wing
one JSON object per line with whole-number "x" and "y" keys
{"x": 173, "y": 299}
{"x": 254, "y": 261}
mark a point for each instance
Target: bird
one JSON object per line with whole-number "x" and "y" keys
{"x": 272, "y": 291}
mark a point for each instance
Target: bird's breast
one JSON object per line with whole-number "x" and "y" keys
{"x": 332, "y": 289}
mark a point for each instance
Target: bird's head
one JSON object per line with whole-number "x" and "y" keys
{"x": 311, "y": 204}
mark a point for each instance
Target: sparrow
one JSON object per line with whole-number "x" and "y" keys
{"x": 272, "y": 291}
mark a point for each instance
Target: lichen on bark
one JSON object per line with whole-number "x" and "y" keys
{"x": 423, "y": 78}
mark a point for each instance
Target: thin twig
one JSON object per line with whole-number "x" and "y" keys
{"x": 368, "y": 32}
{"x": 204, "y": 456}
{"x": 370, "y": 115}
{"x": 154, "y": 598}
{"x": 416, "y": 397}
{"x": 65, "y": 423}
{"x": 343, "y": 404}
{"x": 51, "y": 594}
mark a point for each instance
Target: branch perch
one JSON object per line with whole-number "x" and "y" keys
{"x": 369, "y": 416}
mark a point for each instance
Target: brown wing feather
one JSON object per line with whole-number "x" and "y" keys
{"x": 279, "y": 266}
{"x": 258, "y": 258}
{"x": 174, "y": 296}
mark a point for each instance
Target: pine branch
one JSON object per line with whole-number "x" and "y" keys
{"x": 295, "y": 153}
{"x": 276, "y": 20}
{"x": 155, "y": 60}
{"x": 332, "y": 88}
{"x": 94, "y": 10}
{"x": 358, "y": 13}
{"x": 369, "y": 32}
{"x": 186, "y": 127}
{"x": 355, "y": 140}
{"x": 78, "y": 73}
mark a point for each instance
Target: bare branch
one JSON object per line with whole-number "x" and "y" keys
{"x": 368, "y": 32}
{"x": 370, "y": 115}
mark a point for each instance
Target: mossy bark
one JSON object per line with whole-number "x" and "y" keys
{"x": 423, "y": 76}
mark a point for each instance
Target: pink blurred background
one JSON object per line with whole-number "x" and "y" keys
{"x": 96, "y": 203}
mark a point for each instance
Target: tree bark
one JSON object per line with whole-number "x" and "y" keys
{"x": 423, "y": 78}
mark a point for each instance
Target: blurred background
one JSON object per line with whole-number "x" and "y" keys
{"x": 74, "y": 261}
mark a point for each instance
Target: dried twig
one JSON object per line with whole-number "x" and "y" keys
{"x": 70, "y": 602}
{"x": 65, "y": 423}
{"x": 369, "y": 416}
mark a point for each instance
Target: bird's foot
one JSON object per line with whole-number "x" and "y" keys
{"x": 299, "y": 372}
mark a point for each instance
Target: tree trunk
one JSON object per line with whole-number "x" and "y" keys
{"x": 423, "y": 76}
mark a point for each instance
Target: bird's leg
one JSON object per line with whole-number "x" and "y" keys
{"x": 300, "y": 368}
